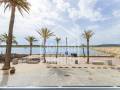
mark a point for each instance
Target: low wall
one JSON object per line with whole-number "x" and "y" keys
{"x": 2, "y": 57}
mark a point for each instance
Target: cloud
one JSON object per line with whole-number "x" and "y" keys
{"x": 66, "y": 18}
{"x": 61, "y": 5}
{"x": 86, "y": 10}
{"x": 116, "y": 13}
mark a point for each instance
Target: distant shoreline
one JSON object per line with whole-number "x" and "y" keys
{"x": 63, "y": 46}
{"x": 38, "y": 46}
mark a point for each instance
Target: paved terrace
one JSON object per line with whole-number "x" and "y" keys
{"x": 37, "y": 75}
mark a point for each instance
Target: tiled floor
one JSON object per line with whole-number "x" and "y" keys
{"x": 36, "y": 75}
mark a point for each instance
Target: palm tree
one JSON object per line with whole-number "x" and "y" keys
{"x": 31, "y": 39}
{"x": 57, "y": 42}
{"x": 83, "y": 49}
{"x": 87, "y": 35}
{"x": 21, "y": 5}
{"x": 3, "y": 39}
{"x": 45, "y": 34}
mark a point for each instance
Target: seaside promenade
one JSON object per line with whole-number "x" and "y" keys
{"x": 61, "y": 74}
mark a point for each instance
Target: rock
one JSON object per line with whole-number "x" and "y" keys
{"x": 15, "y": 61}
{"x": 12, "y": 70}
{"x": 76, "y": 61}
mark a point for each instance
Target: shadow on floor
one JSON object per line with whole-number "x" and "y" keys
{"x": 5, "y": 78}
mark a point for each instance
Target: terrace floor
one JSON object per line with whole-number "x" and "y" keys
{"x": 42, "y": 75}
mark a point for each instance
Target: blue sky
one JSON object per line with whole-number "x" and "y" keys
{"x": 68, "y": 18}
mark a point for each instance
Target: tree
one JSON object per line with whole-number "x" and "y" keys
{"x": 87, "y": 35}
{"x": 45, "y": 34}
{"x": 21, "y": 5}
{"x": 83, "y": 49}
{"x": 31, "y": 39}
{"x": 57, "y": 42}
{"x": 3, "y": 39}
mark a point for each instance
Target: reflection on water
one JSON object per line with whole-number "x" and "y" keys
{"x": 5, "y": 78}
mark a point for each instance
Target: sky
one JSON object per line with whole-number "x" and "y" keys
{"x": 67, "y": 18}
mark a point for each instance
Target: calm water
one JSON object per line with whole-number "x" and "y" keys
{"x": 51, "y": 50}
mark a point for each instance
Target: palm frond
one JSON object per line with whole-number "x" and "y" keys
{"x": 21, "y": 5}
{"x": 31, "y": 39}
{"x": 3, "y": 38}
{"x": 87, "y": 34}
{"x": 45, "y": 33}
{"x": 57, "y": 39}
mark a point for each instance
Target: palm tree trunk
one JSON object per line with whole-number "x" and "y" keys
{"x": 30, "y": 48}
{"x": 87, "y": 51}
{"x": 44, "y": 53}
{"x": 57, "y": 51}
{"x": 9, "y": 41}
{"x": 83, "y": 51}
